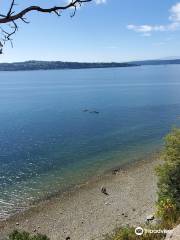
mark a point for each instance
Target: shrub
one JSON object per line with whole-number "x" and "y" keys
{"x": 168, "y": 204}
{"x": 16, "y": 235}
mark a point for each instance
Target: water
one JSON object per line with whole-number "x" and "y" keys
{"x": 47, "y": 143}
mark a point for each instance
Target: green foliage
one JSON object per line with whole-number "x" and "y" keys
{"x": 125, "y": 234}
{"x": 16, "y": 235}
{"x": 168, "y": 205}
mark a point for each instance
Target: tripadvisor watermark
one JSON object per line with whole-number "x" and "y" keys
{"x": 140, "y": 231}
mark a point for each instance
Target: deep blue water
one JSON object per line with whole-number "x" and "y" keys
{"x": 47, "y": 143}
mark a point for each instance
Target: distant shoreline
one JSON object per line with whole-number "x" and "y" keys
{"x": 59, "y": 65}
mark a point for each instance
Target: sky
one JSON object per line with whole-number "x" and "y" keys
{"x": 101, "y": 31}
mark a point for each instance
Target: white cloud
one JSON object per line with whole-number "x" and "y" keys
{"x": 175, "y": 13}
{"x": 147, "y": 30}
{"x": 154, "y": 28}
{"x": 100, "y": 1}
{"x": 142, "y": 28}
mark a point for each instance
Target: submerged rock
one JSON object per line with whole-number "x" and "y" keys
{"x": 116, "y": 170}
{"x": 96, "y": 112}
{"x": 90, "y": 111}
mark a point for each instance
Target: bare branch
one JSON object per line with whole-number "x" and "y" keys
{"x": 10, "y": 12}
{"x": 11, "y": 17}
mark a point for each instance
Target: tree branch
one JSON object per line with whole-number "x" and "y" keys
{"x": 11, "y": 17}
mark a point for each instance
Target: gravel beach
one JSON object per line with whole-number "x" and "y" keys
{"x": 86, "y": 213}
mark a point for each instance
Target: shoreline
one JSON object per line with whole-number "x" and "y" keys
{"x": 85, "y": 213}
{"x": 73, "y": 188}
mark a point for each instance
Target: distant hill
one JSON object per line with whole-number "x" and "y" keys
{"x": 48, "y": 65}
{"x": 157, "y": 62}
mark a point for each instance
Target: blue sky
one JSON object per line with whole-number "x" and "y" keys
{"x": 105, "y": 30}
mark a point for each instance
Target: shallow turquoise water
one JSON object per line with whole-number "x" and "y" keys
{"x": 47, "y": 143}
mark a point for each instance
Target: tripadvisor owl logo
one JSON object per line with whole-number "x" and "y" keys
{"x": 139, "y": 231}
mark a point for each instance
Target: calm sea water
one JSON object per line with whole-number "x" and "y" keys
{"x": 47, "y": 143}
